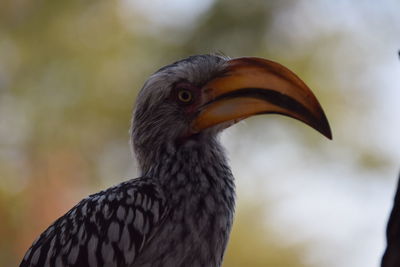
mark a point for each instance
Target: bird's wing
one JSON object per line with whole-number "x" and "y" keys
{"x": 105, "y": 229}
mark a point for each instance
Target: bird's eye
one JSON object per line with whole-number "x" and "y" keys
{"x": 185, "y": 96}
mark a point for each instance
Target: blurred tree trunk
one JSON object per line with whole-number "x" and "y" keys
{"x": 391, "y": 257}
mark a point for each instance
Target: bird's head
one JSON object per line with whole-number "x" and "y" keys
{"x": 193, "y": 99}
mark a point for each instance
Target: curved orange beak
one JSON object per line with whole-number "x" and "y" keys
{"x": 252, "y": 86}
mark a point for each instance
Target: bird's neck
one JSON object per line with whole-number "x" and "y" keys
{"x": 199, "y": 189}
{"x": 197, "y": 164}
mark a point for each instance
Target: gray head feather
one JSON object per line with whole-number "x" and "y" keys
{"x": 158, "y": 121}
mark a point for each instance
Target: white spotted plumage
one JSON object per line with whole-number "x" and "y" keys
{"x": 178, "y": 214}
{"x": 93, "y": 232}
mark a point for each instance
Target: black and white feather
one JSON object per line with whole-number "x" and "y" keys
{"x": 178, "y": 214}
{"x": 109, "y": 228}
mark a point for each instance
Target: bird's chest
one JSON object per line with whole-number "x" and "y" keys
{"x": 195, "y": 231}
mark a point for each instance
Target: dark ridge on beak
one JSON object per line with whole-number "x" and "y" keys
{"x": 272, "y": 96}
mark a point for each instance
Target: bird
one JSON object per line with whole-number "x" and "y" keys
{"x": 180, "y": 211}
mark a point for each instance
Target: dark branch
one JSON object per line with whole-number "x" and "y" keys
{"x": 391, "y": 257}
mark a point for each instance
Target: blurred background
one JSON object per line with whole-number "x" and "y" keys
{"x": 70, "y": 72}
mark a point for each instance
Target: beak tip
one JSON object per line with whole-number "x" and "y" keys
{"x": 328, "y": 134}
{"x": 325, "y": 128}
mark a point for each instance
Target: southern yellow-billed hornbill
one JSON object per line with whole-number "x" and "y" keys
{"x": 180, "y": 211}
